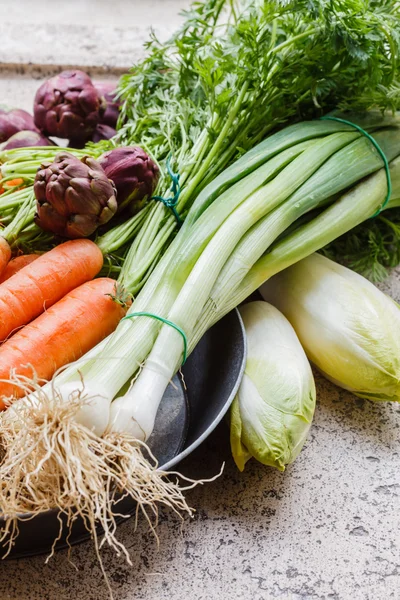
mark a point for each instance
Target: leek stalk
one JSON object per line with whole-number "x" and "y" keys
{"x": 352, "y": 208}
{"x": 165, "y": 356}
{"x": 141, "y": 335}
{"x": 222, "y": 240}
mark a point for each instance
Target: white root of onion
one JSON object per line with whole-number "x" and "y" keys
{"x": 49, "y": 460}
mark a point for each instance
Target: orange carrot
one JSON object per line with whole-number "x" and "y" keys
{"x": 13, "y": 182}
{"x": 5, "y": 254}
{"x": 41, "y": 284}
{"x": 64, "y": 333}
{"x": 16, "y": 264}
{"x": 7, "y": 185}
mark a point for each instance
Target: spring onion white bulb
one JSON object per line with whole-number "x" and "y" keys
{"x": 349, "y": 329}
{"x": 273, "y": 410}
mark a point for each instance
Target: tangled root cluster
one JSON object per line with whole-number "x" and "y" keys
{"x": 48, "y": 460}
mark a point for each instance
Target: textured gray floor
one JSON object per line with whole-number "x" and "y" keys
{"x": 100, "y": 33}
{"x": 327, "y": 528}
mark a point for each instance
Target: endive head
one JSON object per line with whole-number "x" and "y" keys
{"x": 274, "y": 407}
{"x": 349, "y": 329}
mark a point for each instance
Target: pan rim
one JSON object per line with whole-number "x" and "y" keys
{"x": 185, "y": 453}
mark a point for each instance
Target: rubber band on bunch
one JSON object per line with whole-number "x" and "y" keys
{"x": 380, "y": 151}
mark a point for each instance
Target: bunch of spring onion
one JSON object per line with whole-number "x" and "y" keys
{"x": 234, "y": 72}
{"x": 244, "y": 227}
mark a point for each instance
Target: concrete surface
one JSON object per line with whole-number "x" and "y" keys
{"x": 326, "y": 529}
{"x": 100, "y": 33}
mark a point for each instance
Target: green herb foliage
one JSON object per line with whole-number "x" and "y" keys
{"x": 372, "y": 248}
{"x": 297, "y": 59}
{"x": 238, "y": 70}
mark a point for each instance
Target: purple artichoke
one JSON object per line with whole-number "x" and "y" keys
{"x": 107, "y": 92}
{"x": 134, "y": 173}
{"x": 73, "y": 196}
{"x": 68, "y": 106}
{"x": 103, "y": 132}
{"x": 14, "y": 120}
{"x": 23, "y": 139}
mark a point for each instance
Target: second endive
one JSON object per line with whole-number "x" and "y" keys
{"x": 349, "y": 329}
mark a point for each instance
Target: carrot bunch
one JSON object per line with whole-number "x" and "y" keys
{"x": 51, "y": 312}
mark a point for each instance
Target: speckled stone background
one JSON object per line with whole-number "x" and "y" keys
{"x": 326, "y": 529}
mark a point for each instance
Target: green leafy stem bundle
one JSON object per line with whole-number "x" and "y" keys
{"x": 238, "y": 70}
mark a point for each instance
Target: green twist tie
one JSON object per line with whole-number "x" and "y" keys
{"x": 170, "y": 323}
{"x": 175, "y": 189}
{"x": 380, "y": 151}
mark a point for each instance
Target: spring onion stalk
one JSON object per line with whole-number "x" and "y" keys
{"x": 149, "y": 384}
{"x": 349, "y": 329}
{"x": 141, "y": 335}
{"x": 274, "y": 192}
{"x": 272, "y": 412}
{"x": 249, "y": 267}
{"x": 260, "y": 191}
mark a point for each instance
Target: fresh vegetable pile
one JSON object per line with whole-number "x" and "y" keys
{"x": 222, "y": 176}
